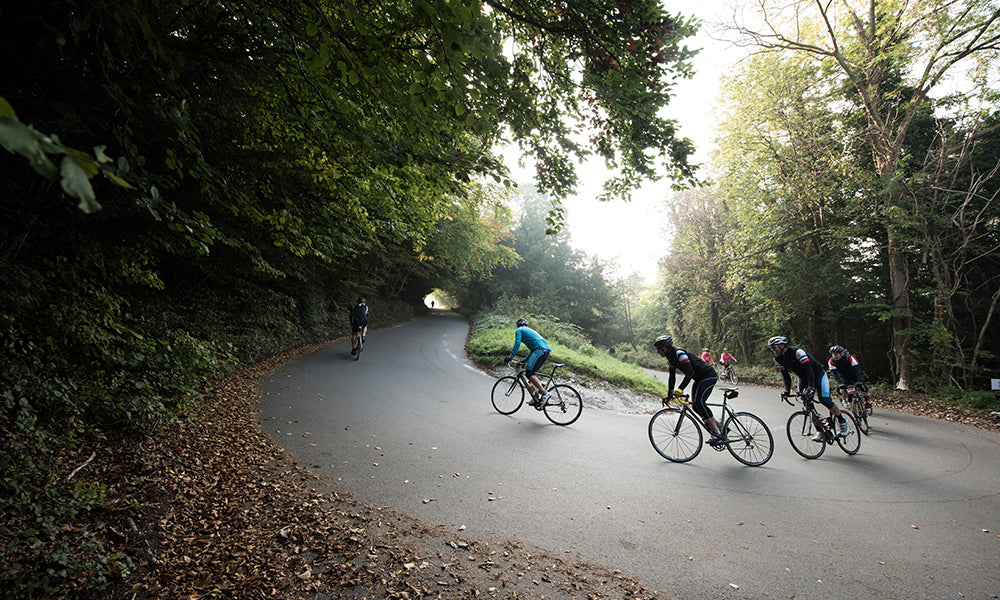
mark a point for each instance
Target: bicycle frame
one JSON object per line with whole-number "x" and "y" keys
{"x": 520, "y": 374}
{"x": 745, "y": 435}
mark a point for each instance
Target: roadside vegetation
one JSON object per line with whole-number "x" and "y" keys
{"x": 193, "y": 188}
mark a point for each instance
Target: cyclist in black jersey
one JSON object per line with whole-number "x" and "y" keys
{"x": 697, "y": 370}
{"x": 847, "y": 371}
{"x": 358, "y": 316}
{"x": 811, "y": 374}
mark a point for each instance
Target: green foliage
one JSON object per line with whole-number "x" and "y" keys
{"x": 262, "y": 165}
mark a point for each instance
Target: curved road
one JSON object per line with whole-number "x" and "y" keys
{"x": 916, "y": 514}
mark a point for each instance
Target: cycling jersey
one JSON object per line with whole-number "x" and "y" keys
{"x": 358, "y": 315}
{"x": 696, "y": 369}
{"x": 847, "y": 370}
{"x": 538, "y": 348}
{"x": 726, "y": 358}
{"x": 810, "y": 372}
{"x": 707, "y": 357}
{"x": 530, "y": 338}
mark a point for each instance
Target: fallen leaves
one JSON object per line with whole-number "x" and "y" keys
{"x": 229, "y": 514}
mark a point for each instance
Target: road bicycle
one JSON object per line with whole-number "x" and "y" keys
{"x": 857, "y": 404}
{"x": 563, "y": 406}
{"x": 728, "y": 374}
{"x": 804, "y": 425}
{"x": 357, "y": 343}
{"x": 676, "y": 432}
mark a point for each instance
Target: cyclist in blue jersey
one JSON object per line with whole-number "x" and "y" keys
{"x": 538, "y": 353}
{"x": 697, "y": 370}
{"x": 811, "y": 374}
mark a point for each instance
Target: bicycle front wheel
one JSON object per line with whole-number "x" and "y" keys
{"x": 564, "y": 405}
{"x": 852, "y": 443}
{"x": 733, "y": 377}
{"x": 675, "y": 435}
{"x": 748, "y": 439}
{"x": 801, "y": 431}
{"x": 508, "y": 395}
{"x": 860, "y": 414}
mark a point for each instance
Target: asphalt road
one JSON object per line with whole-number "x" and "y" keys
{"x": 916, "y": 514}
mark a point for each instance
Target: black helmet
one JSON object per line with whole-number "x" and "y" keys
{"x": 777, "y": 340}
{"x": 361, "y": 300}
{"x": 837, "y": 350}
{"x": 705, "y": 350}
{"x": 663, "y": 341}
{"x": 522, "y": 322}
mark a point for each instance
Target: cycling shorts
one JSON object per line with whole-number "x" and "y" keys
{"x": 822, "y": 392}
{"x": 535, "y": 361}
{"x": 359, "y": 325}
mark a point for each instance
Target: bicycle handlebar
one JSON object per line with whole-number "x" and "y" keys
{"x": 786, "y": 397}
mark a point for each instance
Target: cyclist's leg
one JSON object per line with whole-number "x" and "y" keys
{"x": 532, "y": 363}
{"x": 699, "y": 397}
{"x": 824, "y": 397}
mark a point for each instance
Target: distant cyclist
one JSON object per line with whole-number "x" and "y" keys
{"x": 812, "y": 377}
{"x": 358, "y": 316}
{"x": 538, "y": 353}
{"x": 847, "y": 371}
{"x": 726, "y": 358}
{"x": 707, "y": 357}
{"x": 697, "y": 370}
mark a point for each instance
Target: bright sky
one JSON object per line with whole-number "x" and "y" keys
{"x": 633, "y": 234}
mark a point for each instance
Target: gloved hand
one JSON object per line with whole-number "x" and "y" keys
{"x": 784, "y": 395}
{"x": 809, "y": 391}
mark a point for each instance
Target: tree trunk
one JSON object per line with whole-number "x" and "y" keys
{"x": 899, "y": 285}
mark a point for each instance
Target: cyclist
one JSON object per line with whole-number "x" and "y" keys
{"x": 538, "y": 353}
{"x": 847, "y": 371}
{"x": 812, "y": 378}
{"x": 697, "y": 370}
{"x": 707, "y": 357}
{"x": 358, "y": 316}
{"x": 726, "y": 358}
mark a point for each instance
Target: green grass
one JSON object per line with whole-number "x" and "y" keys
{"x": 492, "y": 335}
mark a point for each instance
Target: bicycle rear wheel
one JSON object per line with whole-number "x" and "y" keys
{"x": 801, "y": 431}
{"x": 748, "y": 439}
{"x": 860, "y": 414}
{"x": 675, "y": 435}
{"x": 357, "y": 348}
{"x": 564, "y": 405}
{"x": 507, "y": 395}
{"x": 852, "y": 443}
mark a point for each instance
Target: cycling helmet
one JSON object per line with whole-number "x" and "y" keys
{"x": 361, "y": 300}
{"x": 837, "y": 350}
{"x": 705, "y": 350}
{"x": 522, "y": 322}
{"x": 777, "y": 340}
{"x": 663, "y": 340}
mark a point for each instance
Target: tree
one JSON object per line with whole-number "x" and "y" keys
{"x": 877, "y": 45}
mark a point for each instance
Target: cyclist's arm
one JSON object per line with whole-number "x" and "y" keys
{"x": 836, "y": 373}
{"x": 688, "y": 375}
{"x": 517, "y": 344}
{"x": 787, "y": 378}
